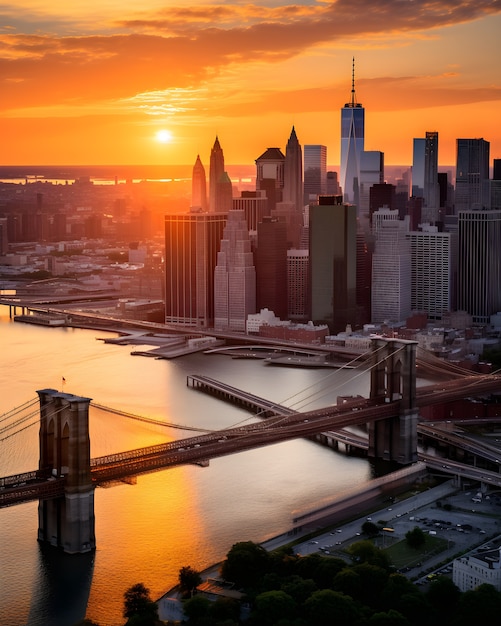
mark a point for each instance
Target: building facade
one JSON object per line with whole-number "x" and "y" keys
{"x": 198, "y": 186}
{"x": 472, "y": 169}
{"x": 234, "y": 276}
{"x": 479, "y": 264}
{"x": 192, "y": 242}
{"x": 352, "y": 144}
{"x": 391, "y": 272}
{"x": 293, "y": 172}
{"x": 433, "y": 272}
{"x": 315, "y": 172}
{"x": 333, "y": 260}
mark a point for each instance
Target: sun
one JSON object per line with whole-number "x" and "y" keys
{"x": 164, "y": 136}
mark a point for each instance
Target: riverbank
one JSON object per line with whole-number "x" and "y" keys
{"x": 444, "y": 511}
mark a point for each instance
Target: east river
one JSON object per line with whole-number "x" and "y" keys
{"x": 145, "y": 532}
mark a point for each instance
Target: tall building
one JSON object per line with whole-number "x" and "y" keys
{"x": 352, "y": 144}
{"x": 333, "y": 260}
{"x": 391, "y": 271}
{"x": 271, "y": 266}
{"x": 381, "y": 195}
{"x": 425, "y": 175}
{"x": 315, "y": 172}
{"x": 298, "y": 261}
{"x": 293, "y": 172}
{"x": 418, "y": 158}
{"x": 192, "y": 242}
{"x": 270, "y": 167}
{"x": 216, "y": 172}
{"x": 433, "y": 271}
{"x": 234, "y": 276}
{"x": 255, "y": 206}
{"x": 431, "y": 186}
{"x": 371, "y": 173}
{"x": 472, "y": 169}
{"x": 479, "y": 264}
{"x": 198, "y": 186}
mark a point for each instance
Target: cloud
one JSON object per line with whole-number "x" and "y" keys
{"x": 181, "y": 47}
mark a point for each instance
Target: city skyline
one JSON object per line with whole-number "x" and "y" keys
{"x": 84, "y": 84}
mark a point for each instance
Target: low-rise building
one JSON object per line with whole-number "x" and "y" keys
{"x": 483, "y": 567}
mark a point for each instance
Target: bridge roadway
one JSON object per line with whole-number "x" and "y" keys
{"x": 200, "y": 449}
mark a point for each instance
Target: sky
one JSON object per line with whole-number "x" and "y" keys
{"x": 154, "y": 82}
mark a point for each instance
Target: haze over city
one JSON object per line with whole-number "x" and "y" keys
{"x": 117, "y": 82}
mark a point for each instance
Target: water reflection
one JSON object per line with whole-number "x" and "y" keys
{"x": 61, "y": 590}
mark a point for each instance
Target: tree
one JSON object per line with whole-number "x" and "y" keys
{"x": 271, "y": 606}
{"x": 189, "y": 579}
{"x": 370, "y": 529}
{"x": 225, "y": 610}
{"x": 415, "y": 538}
{"x": 139, "y": 609}
{"x": 197, "y": 609}
{"x": 326, "y": 607}
{"x": 366, "y": 552}
{"x": 391, "y": 618}
{"x": 246, "y": 563}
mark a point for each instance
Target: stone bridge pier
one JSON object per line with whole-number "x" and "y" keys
{"x": 393, "y": 377}
{"x": 66, "y": 522}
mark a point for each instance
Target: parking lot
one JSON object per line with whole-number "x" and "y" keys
{"x": 464, "y": 519}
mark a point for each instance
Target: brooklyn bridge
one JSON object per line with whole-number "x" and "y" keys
{"x": 66, "y": 476}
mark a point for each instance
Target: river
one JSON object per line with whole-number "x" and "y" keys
{"x": 145, "y": 532}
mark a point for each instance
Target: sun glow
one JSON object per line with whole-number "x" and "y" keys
{"x": 164, "y": 136}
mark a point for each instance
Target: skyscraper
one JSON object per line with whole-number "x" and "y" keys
{"x": 371, "y": 173}
{"x": 270, "y": 175}
{"x": 433, "y": 272}
{"x": 315, "y": 172}
{"x": 391, "y": 269}
{"x": 198, "y": 186}
{"x": 425, "y": 175}
{"x": 297, "y": 284}
{"x": 472, "y": 169}
{"x": 333, "y": 260}
{"x": 352, "y": 144}
{"x": 271, "y": 266}
{"x": 234, "y": 276}
{"x": 479, "y": 264}
{"x": 293, "y": 172}
{"x": 216, "y": 171}
{"x": 431, "y": 187}
{"x": 192, "y": 242}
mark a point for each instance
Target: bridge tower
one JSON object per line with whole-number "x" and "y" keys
{"x": 66, "y": 522}
{"x": 393, "y": 377}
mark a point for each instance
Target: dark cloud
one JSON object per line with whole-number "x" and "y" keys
{"x": 181, "y": 46}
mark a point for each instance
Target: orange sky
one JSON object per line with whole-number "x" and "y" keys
{"x": 93, "y": 81}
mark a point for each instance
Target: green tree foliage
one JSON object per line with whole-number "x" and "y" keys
{"x": 366, "y": 552}
{"x": 225, "y": 610}
{"x": 197, "y": 609}
{"x": 415, "y": 538}
{"x": 391, "y": 618}
{"x": 443, "y": 596}
{"x": 373, "y": 581}
{"x": 246, "y": 563}
{"x": 299, "y": 588}
{"x": 327, "y": 607}
{"x": 370, "y": 529}
{"x": 189, "y": 579}
{"x": 349, "y": 582}
{"x": 272, "y": 606}
{"x": 480, "y": 606}
{"x": 139, "y": 609}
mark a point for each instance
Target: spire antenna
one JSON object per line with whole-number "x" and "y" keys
{"x": 353, "y": 99}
